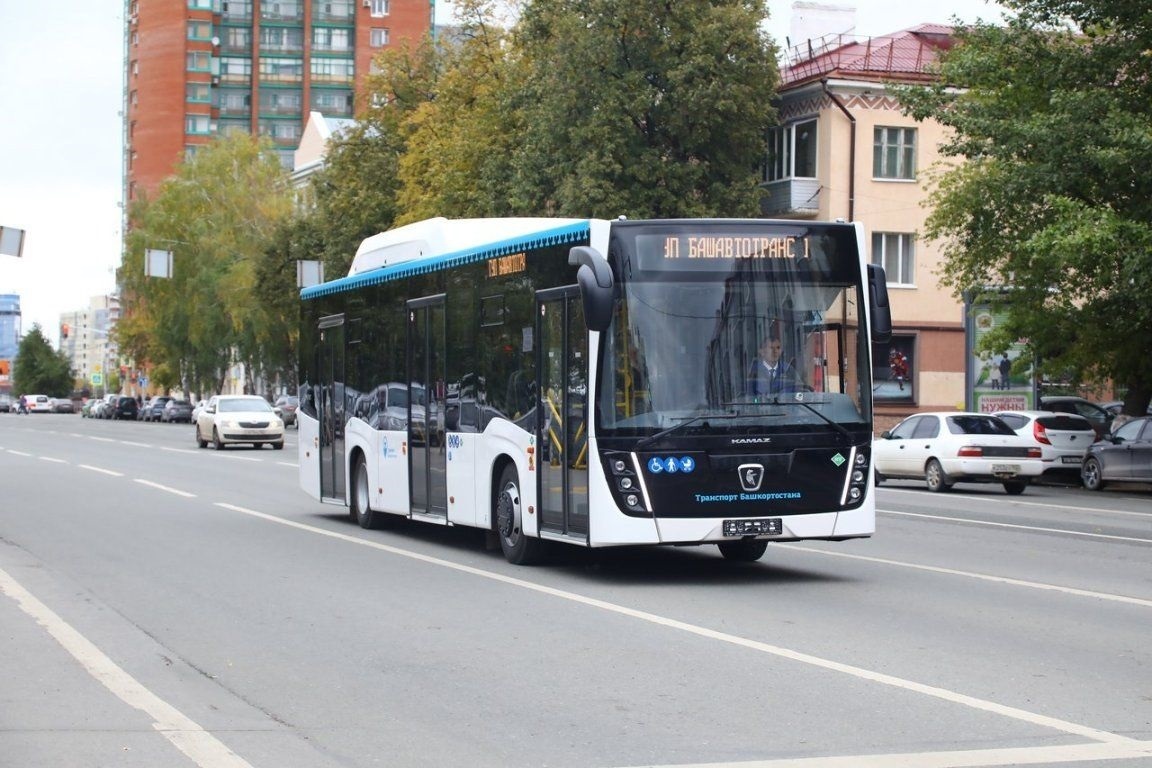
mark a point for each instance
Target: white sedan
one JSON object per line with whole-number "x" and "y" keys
{"x": 1063, "y": 438}
{"x": 947, "y": 447}
{"x": 229, "y": 419}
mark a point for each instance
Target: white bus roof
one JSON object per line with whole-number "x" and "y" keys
{"x": 439, "y": 236}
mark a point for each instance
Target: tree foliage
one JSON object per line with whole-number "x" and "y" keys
{"x": 594, "y": 108}
{"x": 39, "y": 369}
{"x": 1052, "y": 205}
{"x": 219, "y": 215}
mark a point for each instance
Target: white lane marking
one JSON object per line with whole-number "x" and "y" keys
{"x": 19, "y": 453}
{"x": 236, "y": 458}
{"x": 101, "y": 439}
{"x": 288, "y": 464}
{"x": 1000, "y": 501}
{"x": 137, "y": 445}
{"x": 157, "y": 486}
{"x": 201, "y": 747}
{"x": 102, "y": 471}
{"x": 1071, "y": 753}
{"x": 52, "y": 459}
{"x": 974, "y": 575}
{"x": 1014, "y": 526}
{"x": 181, "y": 450}
{"x": 864, "y": 674}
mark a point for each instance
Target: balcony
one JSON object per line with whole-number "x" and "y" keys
{"x": 791, "y": 198}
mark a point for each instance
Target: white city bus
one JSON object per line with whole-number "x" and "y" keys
{"x": 589, "y": 381}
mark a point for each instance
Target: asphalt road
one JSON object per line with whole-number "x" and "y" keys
{"x": 162, "y": 605}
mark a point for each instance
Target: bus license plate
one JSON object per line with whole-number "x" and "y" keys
{"x": 766, "y": 525}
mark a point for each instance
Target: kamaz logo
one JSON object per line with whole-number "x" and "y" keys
{"x": 747, "y": 440}
{"x": 751, "y": 475}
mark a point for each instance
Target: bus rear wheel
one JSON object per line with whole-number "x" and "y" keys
{"x": 743, "y": 550}
{"x": 518, "y": 547}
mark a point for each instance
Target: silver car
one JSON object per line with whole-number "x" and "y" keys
{"x": 230, "y": 419}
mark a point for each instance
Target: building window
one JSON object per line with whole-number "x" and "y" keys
{"x": 332, "y": 70}
{"x": 198, "y": 61}
{"x": 331, "y": 40}
{"x": 280, "y": 102}
{"x": 379, "y": 7}
{"x": 197, "y": 92}
{"x": 199, "y": 30}
{"x": 378, "y": 38}
{"x": 282, "y": 39}
{"x": 234, "y": 69}
{"x": 281, "y": 70}
{"x": 197, "y": 124}
{"x": 200, "y": 4}
{"x": 894, "y": 153}
{"x": 332, "y": 102}
{"x": 895, "y": 251}
{"x": 792, "y": 152}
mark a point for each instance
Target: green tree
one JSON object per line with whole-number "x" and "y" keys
{"x": 219, "y": 215}
{"x": 39, "y": 369}
{"x": 642, "y": 107}
{"x": 1052, "y": 205}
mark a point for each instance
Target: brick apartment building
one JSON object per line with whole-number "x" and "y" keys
{"x": 199, "y": 68}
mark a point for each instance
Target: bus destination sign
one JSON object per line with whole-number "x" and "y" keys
{"x": 735, "y": 247}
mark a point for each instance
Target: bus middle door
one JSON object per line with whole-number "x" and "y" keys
{"x": 427, "y": 462}
{"x": 561, "y": 432}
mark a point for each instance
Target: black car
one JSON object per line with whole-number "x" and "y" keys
{"x": 1125, "y": 456}
{"x": 1100, "y": 418}
{"x": 125, "y": 408}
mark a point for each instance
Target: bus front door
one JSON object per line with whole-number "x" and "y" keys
{"x": 561, "y": 432}
{"x": 427, "y": 462}
{"x": 330, "y": 408}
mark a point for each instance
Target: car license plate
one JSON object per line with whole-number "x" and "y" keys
{"x": 1005, "y": 469}
{"x": 766, "y": 525}
{"x": 1070, "y": 459}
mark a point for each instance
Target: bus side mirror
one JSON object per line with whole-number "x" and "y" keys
{"x": 596, "y": 286}
{"x": 878, "y": 303}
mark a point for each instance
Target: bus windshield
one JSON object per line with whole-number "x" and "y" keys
{"x": 755, "y": 324}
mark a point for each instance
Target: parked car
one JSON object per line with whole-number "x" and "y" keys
{"x": 6, "y": 405}
{"x": 108, "y": 405}
{"x": 177, "y": 410}
{"x": 200, "y": 405}
{"x": 154, "y": 408}
{"x": 229, "y": 419}
{"x": 125, "y": 407}
{"x": 1063, "y": 438}
{"x": 1124, "y": 457}
{"x": 87, "y": 408}
{"x": 1100, "y": 418}
{"x": 38, "y": 403}
{"x": 63, "y": 405}
{"x": 285, "y": 407}
{"x": 1114, "y": 407}
{"x": 946, "y": 447}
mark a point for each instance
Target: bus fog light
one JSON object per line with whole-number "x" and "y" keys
{"x": 619, "y": 465}
{"x": 854, "y": 493}
{"x": 861, "y": 459}
{"x": 632, "y": 500}
{"x": 858, "y": 476}
{"x": 625, "y": 483}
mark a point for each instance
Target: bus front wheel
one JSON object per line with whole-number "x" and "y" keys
{"x": 361, "y": 511}
{"x": 743, "y": 550}
{"x": 518, "y": 547}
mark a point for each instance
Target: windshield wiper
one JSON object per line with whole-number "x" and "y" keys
{"x": 677, "y": 427}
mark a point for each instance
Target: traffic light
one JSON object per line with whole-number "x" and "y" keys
{"x": 64, "y": 331}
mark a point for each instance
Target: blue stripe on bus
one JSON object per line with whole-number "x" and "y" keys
{"x": 568, "y": 233}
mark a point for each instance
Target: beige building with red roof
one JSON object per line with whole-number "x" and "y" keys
{"x": 845, "y": 150}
